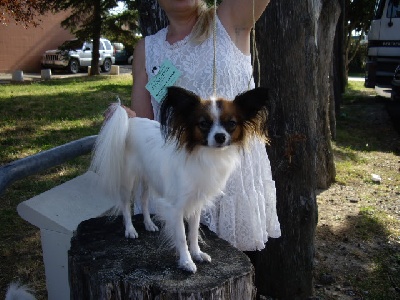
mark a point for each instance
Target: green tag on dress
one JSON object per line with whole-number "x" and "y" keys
{"x": 167, "y": 75}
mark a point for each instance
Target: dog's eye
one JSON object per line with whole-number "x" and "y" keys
{"x": 204, "y": 125}
{"x": 230, "y": 125}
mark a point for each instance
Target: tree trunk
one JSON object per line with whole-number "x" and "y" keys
{"x": 339, "y": 59}
{"x": 103, "y": 264}
{"x": 338, "y": 70}
{"x": 295, "y": 43}
{"x": 333, "y": 98}
{"x": 326, "y": 29}
{"x": 95, "y": 70}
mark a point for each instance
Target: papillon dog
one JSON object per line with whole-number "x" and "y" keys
{"x": 183, "y": 161}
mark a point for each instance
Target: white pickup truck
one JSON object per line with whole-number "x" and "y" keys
{"x": 74, "y": 54}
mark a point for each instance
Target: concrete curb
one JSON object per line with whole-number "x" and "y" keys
{"x": 30, "y": 77}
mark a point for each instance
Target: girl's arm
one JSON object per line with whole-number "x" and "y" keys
{"x": 237, "y": 18}
{"x": 140, "y": 97}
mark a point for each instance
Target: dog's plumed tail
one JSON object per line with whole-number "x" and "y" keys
{"x": 108, "y": 154}
{"x": 17, "y": 291}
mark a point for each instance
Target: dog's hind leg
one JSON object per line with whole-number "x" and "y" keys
{"x": 125, "y": 206}
{"x": 193, "y": 237}
{"x": 148, "y": 223}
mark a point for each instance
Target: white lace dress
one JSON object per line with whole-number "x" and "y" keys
{"x": 245, "y": 215}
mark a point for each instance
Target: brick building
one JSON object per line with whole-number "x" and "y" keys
{"x": 22, "y": 49}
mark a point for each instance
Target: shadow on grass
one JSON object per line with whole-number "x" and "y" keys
{"x": 19, "y": 143}
{"x": 393, "y": 109}
{"x": 364, "y": 123}
{"x": 364, "y": 255}
{"x": 21, "y": 255}
{"x": 20, "y": 247}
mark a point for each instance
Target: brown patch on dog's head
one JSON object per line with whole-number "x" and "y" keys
{"x": 192, "y": 122}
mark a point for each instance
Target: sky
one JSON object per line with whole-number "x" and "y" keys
{"x": 119, "y": 8}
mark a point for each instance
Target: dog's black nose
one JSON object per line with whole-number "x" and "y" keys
{"x": 220, "y": 138}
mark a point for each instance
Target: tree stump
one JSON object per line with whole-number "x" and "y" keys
{"x": 103, "y": 264}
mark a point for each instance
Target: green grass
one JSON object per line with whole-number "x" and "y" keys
{"x": 37, "y": 117}
{"x": 357, "y": 93}
{"x": 383, "y": 274}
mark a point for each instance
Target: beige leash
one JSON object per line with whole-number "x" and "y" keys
{"x": 215, "y": 51}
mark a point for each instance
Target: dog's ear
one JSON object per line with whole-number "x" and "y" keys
{"x": 176, "y": 111}
{"x": 252, "y": 102}
{"x": 253, "y": 106}
{"x": 177, "y": 104}
{"x": 180, "y": 99}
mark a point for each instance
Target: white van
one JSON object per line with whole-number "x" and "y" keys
{"x": 383, "y": 43}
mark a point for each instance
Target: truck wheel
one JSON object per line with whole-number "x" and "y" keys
{"x": 106, "y": 67}
{"x": 73, "y": 66}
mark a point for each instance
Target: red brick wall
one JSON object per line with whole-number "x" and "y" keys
{"x": 22, "y": 49}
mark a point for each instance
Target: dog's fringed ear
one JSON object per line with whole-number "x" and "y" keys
{"x": 180, "y": 99}
{"x": 175, "y": 111}
{"x": 254, "y": 106}
{"x": 252, "y": 102}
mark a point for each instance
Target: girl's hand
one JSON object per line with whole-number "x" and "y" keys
{"x": 110, "y": 110}
{"x": 130, "y": 112}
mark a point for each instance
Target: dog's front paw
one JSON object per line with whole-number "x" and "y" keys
{"x": 130, "y": 232}
{"x": 188, "y": 265}
{"x": 201, "y": 257}
{"x": 150, "y": 226}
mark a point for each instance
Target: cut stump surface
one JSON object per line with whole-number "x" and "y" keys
{"x": 103, "y": 264}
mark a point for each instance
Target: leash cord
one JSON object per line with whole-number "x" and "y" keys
{"x": 254, "y": 53}
{"x": 215, "y": 51}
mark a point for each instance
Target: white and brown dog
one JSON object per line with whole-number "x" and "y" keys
{"x": 185, "y": 160}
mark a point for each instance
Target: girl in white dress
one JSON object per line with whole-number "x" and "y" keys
{"x": 245, "y": 215}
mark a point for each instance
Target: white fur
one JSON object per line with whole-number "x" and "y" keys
{"x": 133, "y": 151}
{"x": 217, "y": 128}
{"x": 19, "y": 292}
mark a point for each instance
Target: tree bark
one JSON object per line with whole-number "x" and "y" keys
{"x": 334, "y": 97}
{"x": 339, "y": 59}
{"x": 295, "y": 44}
{"x": 151, "y": 17}
{"x": 103, "y": 264}
{"x": 95, "y": 70}
{"x": 326, "y": 24}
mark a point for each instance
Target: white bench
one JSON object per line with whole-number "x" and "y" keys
{"x": 58, "y": 212}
